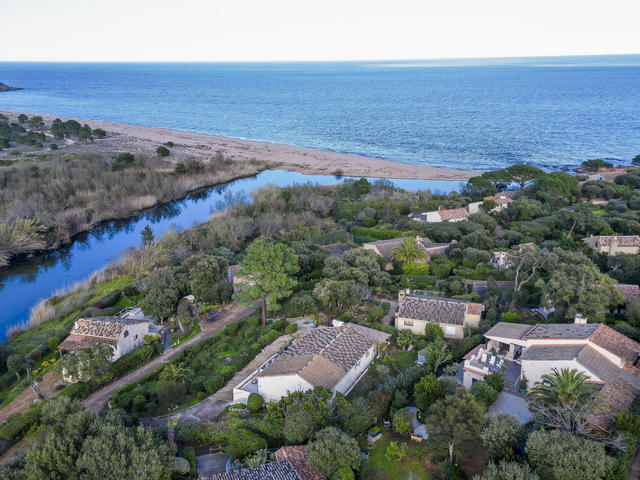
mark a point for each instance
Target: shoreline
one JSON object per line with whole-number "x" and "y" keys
{"x": 309, "y": 161}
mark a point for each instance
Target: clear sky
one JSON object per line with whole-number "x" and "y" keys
{"x": 281, "y": 30}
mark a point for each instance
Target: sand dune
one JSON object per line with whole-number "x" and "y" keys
{"x": 142, "y": 139}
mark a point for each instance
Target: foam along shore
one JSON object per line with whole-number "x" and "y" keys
{"x": 142, "y": 139}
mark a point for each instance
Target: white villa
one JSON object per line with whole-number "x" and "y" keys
{"x": 519, "y": 351}
{"x": 332, "y": 357}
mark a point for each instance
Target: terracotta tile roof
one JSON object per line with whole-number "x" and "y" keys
{"x": 104, "y": 327}
{"x": 500, "y": 199}
{"x": 91, "y": 331}
{"x": 324, "y": 355}
{"x": 77, "y": 342}
{"x": 280, "y": 470}
{"x": 629, "y": 291}
{"x": 616, "y": 343}
{"x": 437, "y": 309}
{"x": 453, "y": 214}
{"x": 618, "y": 396}
{"x": 297, "y": 455}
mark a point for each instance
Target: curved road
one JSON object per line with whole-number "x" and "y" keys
{"x": 98, "y": 401}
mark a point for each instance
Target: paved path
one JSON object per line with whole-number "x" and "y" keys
{"x": 211, "y": 464}
{"x": 98, "y": 401}
{"x": 389, "y": 318}
{"x": 511, "y": 405}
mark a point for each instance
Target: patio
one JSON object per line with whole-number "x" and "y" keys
{"x": 483, "y": 361}
{"x": 510, "y": 404}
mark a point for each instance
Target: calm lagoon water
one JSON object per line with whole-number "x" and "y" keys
{"x": 25, "y": 283}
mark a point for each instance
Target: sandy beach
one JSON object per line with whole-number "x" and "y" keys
{"x": 141, "y": 139}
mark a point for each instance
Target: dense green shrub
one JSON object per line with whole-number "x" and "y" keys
{"x": 162, "y": 151}
{"x": 291, "y": 328}
{"x": 189, "y": 454}
{"x": 108, "y": 300}
{"x": 377, "y": 233}
{"x": 136, "y": 358}
{"x": 255, "y": 402}
{"x": 17, "y": 425}
{"x": 242, "y": 442}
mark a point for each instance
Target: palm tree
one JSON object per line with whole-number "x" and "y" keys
{"x": 173, "y": 372}
{"x": 408, "y": 252}
{"x": 565, "y": 387}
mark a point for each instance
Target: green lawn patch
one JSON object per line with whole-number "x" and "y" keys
{"x": 416, "y": 464}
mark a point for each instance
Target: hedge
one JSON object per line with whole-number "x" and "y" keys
{"x": 135, "y": 359}
{"x": 377, "y": 233}
{"x": 338, "y": 236}
{"x": 17, "y": 425}
{"x": 109, "y": 300}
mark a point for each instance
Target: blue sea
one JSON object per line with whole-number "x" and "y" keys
{"x": 474, "y": 114}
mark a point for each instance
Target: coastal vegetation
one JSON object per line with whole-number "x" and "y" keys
{"x": 299, "y": 255}
{"x": 47, "y": 197}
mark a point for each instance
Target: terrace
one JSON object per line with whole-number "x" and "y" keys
{"x": 484, "y": 361}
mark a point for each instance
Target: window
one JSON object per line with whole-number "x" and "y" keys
{"x": 136, "y": 337}
{"x": 358, "y": 363}
{"x": 450, "y": 330}
{"x": 408, "y": 323}
{"x": 126, "y": 333}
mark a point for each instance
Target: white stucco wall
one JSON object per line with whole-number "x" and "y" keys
{"x": 274, "y": 388}
{"x": 353, "y": 375}
{"x": 419, "y": 325}
{"x": 135, "y": 339}
{"x": 534, "y": 369}
{"x": 469, "y": 375}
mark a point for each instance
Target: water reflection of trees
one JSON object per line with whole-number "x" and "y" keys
{"x": 27, "y": 268}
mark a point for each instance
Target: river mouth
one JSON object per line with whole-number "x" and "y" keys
{"x": 32, "y": 278}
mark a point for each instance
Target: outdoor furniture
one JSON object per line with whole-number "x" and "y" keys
{"x": 484, "y": 358}
{"x": 493, "y": 360}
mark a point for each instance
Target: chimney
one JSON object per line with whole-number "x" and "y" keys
{"x": 580, "y": 319}
{"x": 75, "y": 325}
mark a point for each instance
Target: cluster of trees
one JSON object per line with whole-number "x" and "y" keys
{"x": 73, "y": 443}
{"x": 204, "y": 276}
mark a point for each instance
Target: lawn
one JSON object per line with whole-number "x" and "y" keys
{"x": 416, "y": 465}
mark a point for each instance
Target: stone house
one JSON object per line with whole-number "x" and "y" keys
{"x": 121, "y": 334}
{"x": 614, "y": 244}
{"x": 416, "y": 310}
{"x": 441, "y": 215}
{"x": 332, "y": 357}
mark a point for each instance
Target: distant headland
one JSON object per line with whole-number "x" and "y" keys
{"x": 5, "y": 88}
